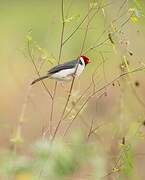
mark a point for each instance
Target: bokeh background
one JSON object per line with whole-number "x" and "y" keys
{"x": 118, "y": 113}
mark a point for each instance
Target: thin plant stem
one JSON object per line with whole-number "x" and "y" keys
{"x": 59, "y": 123}
{"x": 36, "y": 69}
{"x": 21, "y": 119}
{"x": 92, "y": 121}
{"x": 122, "y": 5}
{"x": 107, "y": 39}
{"x": 83, "y": 20}
{"x": 84, "y": 92}
{"x": 99, "y": 90}
{"x": 72, "y": 83}
{"x": 59, "y": 59}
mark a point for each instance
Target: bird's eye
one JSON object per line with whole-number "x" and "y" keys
{"x": 80, "y": 62}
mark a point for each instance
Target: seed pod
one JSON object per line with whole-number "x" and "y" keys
{"x": 110, "y": 38}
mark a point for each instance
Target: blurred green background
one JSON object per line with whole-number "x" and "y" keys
{"x": 120, "y": 110}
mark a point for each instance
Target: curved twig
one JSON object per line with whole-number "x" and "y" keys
{"x": 72, "y": 83}
{"x": 36, "y": 70}
{"x": 99, "y": 90}
{"x": 49, "y": 129}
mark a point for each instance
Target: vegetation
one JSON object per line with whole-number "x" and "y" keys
{"x": 93, "y": 127}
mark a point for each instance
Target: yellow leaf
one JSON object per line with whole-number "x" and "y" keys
{"x": 24, "y": 176}
{"x": 134, "y": 19}
{"x": 115, "y": 169}
{"x": 17, "y": 139}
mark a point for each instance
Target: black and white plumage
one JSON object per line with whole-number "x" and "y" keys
{"x": 65, "y": 71}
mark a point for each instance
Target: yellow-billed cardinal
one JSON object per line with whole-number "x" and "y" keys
{"x": 66, "y": 71}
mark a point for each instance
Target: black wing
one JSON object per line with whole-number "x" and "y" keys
{"x": 67, "y": 65}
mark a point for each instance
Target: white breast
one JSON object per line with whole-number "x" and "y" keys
{"x": 80, "y": 69}
{"x": 66, "y": 74}
{"x": 63, "y": 75}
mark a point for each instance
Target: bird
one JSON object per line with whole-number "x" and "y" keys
{"x": 66, "y": 71}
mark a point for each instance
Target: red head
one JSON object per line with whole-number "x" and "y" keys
{"x": 86, "y": 60}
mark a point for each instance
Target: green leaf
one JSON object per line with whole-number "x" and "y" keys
{"x": 17, "y": 139}
{"x": 29, "y": 36}
{"x": 128, "y": 160}
{"x": 93, "y": 4}
{"x": 72, "y": 18}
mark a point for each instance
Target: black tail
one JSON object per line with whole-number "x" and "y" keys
{"x": 39, "y": 79}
